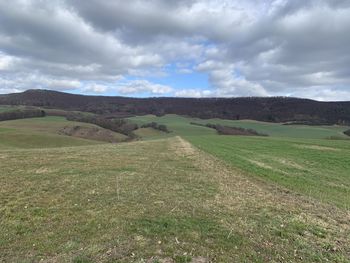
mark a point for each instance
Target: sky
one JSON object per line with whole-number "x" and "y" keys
{"x": 180, "y": 48}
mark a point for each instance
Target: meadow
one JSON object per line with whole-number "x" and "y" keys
{"x": 300, "y": 158}
{"x": 181, "y": 125}
{"x": 185, "y": 196}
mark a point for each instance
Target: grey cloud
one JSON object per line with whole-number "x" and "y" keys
{"x": 299, "y": 46}
{"x": 141, "y": 21}
{"x": 253, "y": 47}
{"x": 59, "y": 35}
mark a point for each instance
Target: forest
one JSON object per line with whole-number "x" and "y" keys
{"x": 270, "y": 109}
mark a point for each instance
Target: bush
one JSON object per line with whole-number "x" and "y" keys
{"x": 225, "y": 130}
{"x": 347, "y": 132}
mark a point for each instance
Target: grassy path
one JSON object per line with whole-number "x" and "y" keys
{"x": 153, "y": 201}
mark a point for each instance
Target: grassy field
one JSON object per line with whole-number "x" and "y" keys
{"x": 41, "y": 133}
{"x": 317, "y": 168}
{"x": 151, "y": 134}
{"x": 181, "y": 125}
{"x": 186, "y": 196}
{"x": 152, "y": 201}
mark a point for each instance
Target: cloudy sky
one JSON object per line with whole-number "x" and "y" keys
{"x": 188, "y": 48}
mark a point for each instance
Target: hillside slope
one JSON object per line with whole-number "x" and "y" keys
{"x": 53, "y": 132}
{"x": 273, "y": 109}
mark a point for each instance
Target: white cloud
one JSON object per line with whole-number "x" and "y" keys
{"x": 6, "y": 61}
{"x": 194, "y": 93}
{"x": 7, "y": 91}
{"x": 143, "y": 86}
{"x": 23, "y": 82}
{"x": 95, "y": 88}
{"x": 229, "y": 83}
{"x": 323, "y": 94}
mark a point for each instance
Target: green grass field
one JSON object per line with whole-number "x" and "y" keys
{"x": 316, "y": 167}
{"x": 187, "y": 196}
{"x": 151, "y": 134}
{"x": 182, "y": 126}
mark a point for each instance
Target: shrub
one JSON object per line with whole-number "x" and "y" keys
{"x": 154, "y": 125}
{"x": 347, "y": 132}
{"x": 226, "y": 130}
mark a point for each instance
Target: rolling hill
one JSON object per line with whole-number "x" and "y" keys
{"x": 271, "y": 109}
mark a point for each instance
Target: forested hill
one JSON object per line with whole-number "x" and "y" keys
{"x": 273, "y": 109}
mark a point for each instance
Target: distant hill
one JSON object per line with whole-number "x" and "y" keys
{"x": 272, "y": 109}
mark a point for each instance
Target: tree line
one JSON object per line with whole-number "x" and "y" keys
{"x": 228, "y": 130}
{"x": 21, "y": 114}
